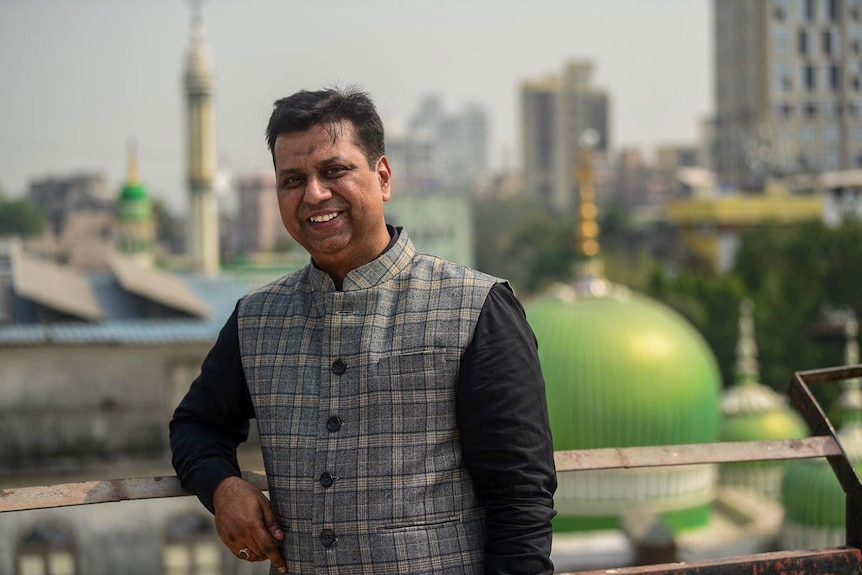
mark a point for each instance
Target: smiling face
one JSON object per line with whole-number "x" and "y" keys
{"x": 330, "y": 199}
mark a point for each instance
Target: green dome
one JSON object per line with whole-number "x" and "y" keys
{"x": 776, "y": 424}
{"x": 132, "y": 192}
{"x": 812, "y": 496}
{"x": 623, "y": 370}
{"x": 134, "y": 203}
{"x": 814, "y": 502}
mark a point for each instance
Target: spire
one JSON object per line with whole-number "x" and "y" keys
{"x": 747, "y": 369}
{"x": 197, "y": 20}
{"x": 588, "y": 230}
{"x": 133, "y": 173}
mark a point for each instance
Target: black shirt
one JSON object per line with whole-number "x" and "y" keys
{"x": 502, "y": 422}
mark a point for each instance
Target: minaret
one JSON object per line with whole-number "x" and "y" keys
{"x": 135, "y": 225}
{"x": 202, "y": 240}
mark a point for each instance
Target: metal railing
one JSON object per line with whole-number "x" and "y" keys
{"x": 824, "y": 442}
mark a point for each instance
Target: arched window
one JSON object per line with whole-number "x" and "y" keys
{"x": 46, "y": 550}
{"x": 192, "y": 546}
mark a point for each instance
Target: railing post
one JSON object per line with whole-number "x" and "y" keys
{"x": 819, "y": 424}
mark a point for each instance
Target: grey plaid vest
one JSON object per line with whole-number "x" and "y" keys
{"x": 354, "y": 394}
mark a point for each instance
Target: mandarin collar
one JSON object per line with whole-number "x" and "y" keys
{"x": 385, "y": 267}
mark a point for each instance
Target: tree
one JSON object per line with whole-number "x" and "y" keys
{"x": 169, "y": 228}
{"x": 19, "y": 217}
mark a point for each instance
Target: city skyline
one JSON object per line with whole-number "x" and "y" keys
{"x": 84, "y": 78}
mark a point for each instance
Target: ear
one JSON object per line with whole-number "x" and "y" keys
{"x": 384, "y": 176}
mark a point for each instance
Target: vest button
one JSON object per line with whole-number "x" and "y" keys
{"x": 333, "y": 424}
{"x": 339, "y": 367}
{"x": 328, "y": 538}
{"x": 327, "y": 479}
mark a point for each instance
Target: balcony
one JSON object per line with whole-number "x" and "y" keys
{"x": 189, "y": 546}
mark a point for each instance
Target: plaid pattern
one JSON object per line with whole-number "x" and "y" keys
{"x": 401, "y": 500}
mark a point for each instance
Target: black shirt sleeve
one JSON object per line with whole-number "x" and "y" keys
{"x": 506, "y": 437}
{"x": 212, "y": 419}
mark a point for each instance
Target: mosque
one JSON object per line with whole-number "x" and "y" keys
{"x": 623, "y": 370}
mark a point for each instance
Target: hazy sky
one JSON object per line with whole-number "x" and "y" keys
{"x": 80, "y": 78}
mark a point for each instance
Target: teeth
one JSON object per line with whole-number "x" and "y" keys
{"x": 321, "y": 219}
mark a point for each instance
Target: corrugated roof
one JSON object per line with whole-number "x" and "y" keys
{"x": 121, "y": 325}
{"x": 56, "y": 287}
{"x": 161, "y": 287}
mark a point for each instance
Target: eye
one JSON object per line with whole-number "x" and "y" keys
{"x": 335, "y": 170}
{"x": 291, "y": 182}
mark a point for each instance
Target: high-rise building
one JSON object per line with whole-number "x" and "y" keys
{"x": 203, "y": 237}
{"x": 788, "y": 88}
{"x": 557, "y": 112}
{"x": 438, "y": 151}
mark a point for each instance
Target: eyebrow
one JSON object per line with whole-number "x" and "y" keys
{"x": 324, "y": 162}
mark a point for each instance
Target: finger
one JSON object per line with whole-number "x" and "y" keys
{"x": 272, "y": 524}
{"x": 266, "y": 540}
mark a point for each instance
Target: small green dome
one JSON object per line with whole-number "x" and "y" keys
{"x": 624, "y": 371}
{"x": 134, "y": 203}
{"x": 775, "y": 424}
{"x": 134, "y": 192}
{"x": 812, "y": 495}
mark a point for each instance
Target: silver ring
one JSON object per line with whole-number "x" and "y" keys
{"x": 245, "y": 553}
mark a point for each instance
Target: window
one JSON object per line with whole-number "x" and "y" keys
{"x": 808, "y": 10}
{"x": 810, "y": 110}
{"x": 784, "y": 110}
{"x": 46, "y": 550}
{"x": 809, "y": 77}
{"x": 191, "y": 547}
{"x": 831, "y": 161}
{"x": 835, "y": 78}
{"x": 782, "y": 78}
{"x": 833, "y": 10}
{"x": 803, "y": 41}
{"x": 782, "y": 39}
{"x": 832, "y": 109}
{"x": 832, "y": 135}
{"x": 808, "y": 134}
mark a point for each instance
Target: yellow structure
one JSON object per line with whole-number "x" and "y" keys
{"x": 709, "y": 227}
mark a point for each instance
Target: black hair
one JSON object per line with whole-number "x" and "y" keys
{"x": 330, "y": 107}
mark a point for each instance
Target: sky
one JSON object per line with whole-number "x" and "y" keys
{"x": 80, "y": 79}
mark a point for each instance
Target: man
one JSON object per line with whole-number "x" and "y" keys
{"x": 399, "y": 397}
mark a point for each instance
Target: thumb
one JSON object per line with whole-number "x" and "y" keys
{"x": 271, "y": 522}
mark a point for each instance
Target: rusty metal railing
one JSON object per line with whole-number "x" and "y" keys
{"x": 824, "y": 442}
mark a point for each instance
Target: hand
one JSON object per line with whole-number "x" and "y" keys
{"x": 244, "y": 520}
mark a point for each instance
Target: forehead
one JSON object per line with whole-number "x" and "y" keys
{"x": 319, "y": 140}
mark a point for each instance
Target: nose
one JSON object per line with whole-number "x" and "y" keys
{"x": 315, "y": 192}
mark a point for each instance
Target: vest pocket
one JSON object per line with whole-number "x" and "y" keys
{"x": 413, "y": 370}
{"x": 420, "y": 526}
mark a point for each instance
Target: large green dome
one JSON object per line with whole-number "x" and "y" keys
{"x": 622, "y": 370}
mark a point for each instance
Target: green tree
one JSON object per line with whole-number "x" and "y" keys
{"x": 169, "y": 228}
{"x": 794, "y": 274}
{"x": 18, "y": 217}
{"x": 710, "y": 303}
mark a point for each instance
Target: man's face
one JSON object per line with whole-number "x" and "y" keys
{"x": 330, "y": 200}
